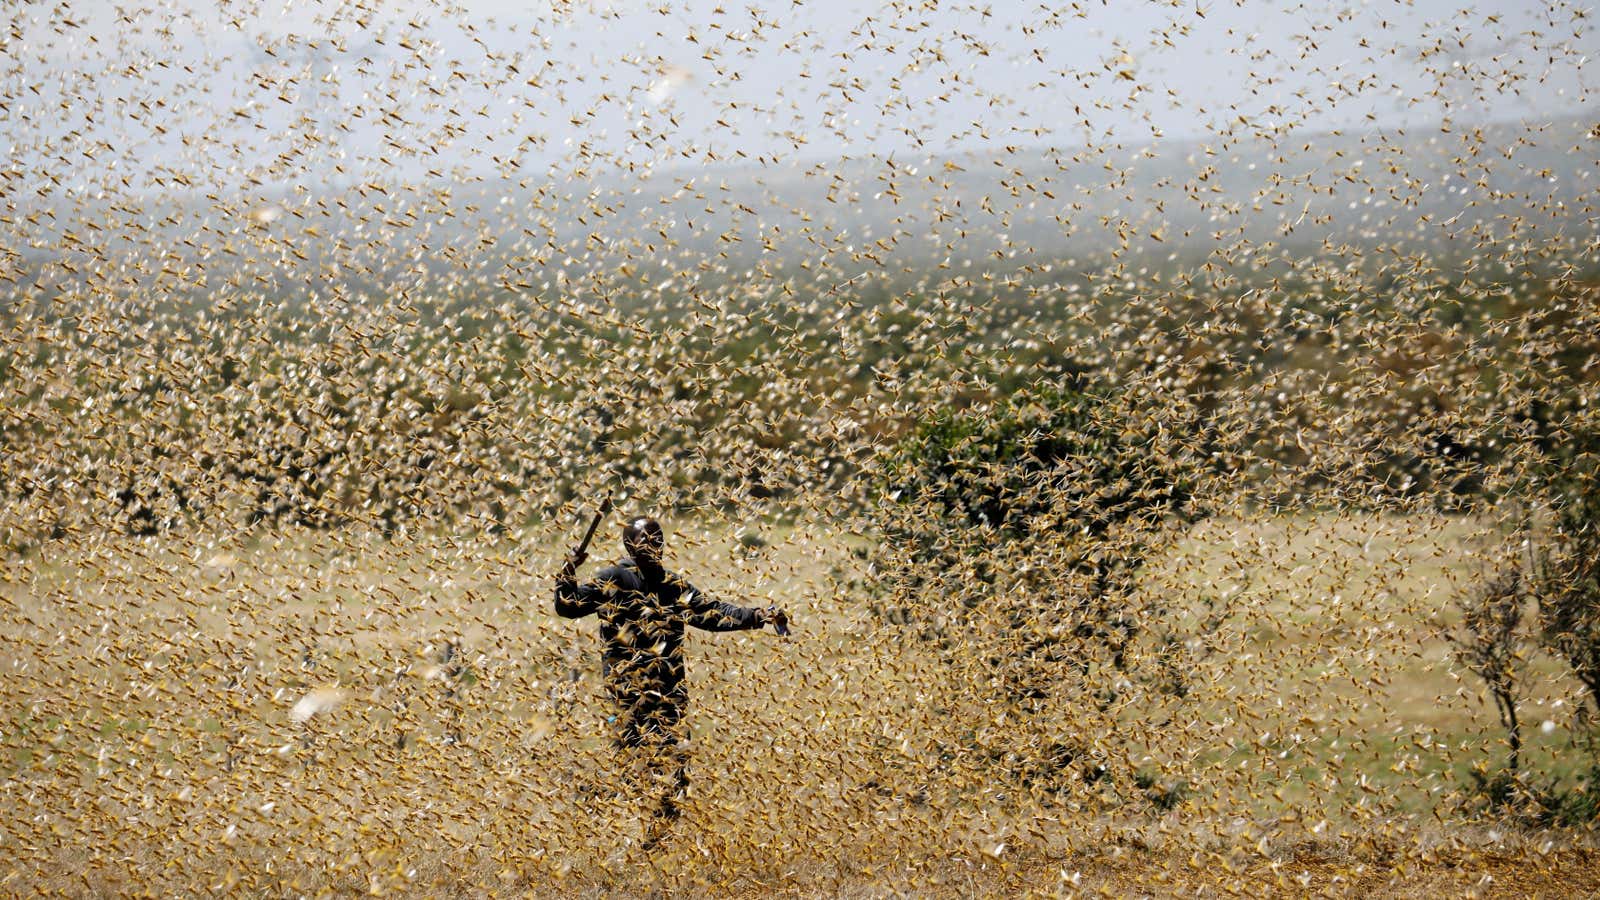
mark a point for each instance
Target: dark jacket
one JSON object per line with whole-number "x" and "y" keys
{"x": 642, "y": 617}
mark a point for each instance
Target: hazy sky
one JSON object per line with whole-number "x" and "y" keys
{"x": 284, "y": 91}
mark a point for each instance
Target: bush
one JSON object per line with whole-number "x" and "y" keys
{"x": 1567, "y": 572}
{"x": 1569, "y": 592}
{"x": 1573, "y": 803}
{"x": 1557, "y": 589}
{"x": 1051, "y": 456}
{"x": 1016, "y": 531}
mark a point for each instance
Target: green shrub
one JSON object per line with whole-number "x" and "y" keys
{"x": 1566, "y": 578}
{"x": 1053, "y": 456}
{"x": 1014, "y": 532}
{"x": 1551, "y": 803}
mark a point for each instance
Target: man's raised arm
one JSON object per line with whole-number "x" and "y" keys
{"x": 574, "y": 600}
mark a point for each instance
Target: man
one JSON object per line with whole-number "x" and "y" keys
{"x": 643, "y": 610}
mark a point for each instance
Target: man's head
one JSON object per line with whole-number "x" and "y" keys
{"x": 643, "y": 539}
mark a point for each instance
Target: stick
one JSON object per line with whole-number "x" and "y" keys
{"x": 583, "y": 545}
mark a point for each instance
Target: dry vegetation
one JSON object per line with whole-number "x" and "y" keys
{"x": 279, "y": 713}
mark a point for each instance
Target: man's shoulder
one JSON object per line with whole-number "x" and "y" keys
{"x": 679, "y": 582}
{"x": 623, "y": 573}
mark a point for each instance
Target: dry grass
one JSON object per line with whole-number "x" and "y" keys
{"x": 152, "y": 742}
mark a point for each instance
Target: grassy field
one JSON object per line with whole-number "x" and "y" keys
{"x": 286, "y": 713}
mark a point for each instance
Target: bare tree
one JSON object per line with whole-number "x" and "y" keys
{"x": 1489, "y": 640}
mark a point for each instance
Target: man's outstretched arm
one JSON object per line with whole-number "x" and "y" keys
{"x": 714, "y": 615}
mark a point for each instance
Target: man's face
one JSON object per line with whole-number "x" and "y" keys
{"x": 643, "y": 540}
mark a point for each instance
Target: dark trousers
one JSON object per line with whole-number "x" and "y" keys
{"x": 650, "y": 740}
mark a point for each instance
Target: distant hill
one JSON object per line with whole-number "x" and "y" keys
{"x": 1439, "y": 192}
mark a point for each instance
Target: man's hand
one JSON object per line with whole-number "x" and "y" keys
{"x": 777, "y": 618}
{"x": 569, "y": 569}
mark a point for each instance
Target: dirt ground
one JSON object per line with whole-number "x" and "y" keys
{"x": 161, "y": 734}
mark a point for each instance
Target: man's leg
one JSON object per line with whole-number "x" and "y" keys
{"x": 674, "y": 738}
{"x": 647, "y": 732}
{"x": 668, "y": 764}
